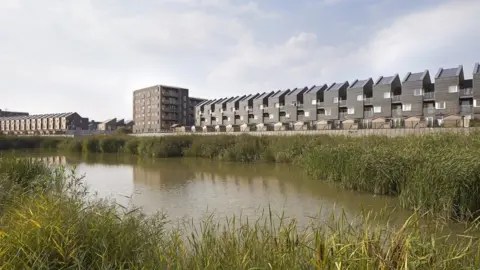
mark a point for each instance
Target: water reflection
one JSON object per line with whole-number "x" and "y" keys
{"x": 192, "y": 187}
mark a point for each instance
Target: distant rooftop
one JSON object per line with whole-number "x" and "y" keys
{"x": 36, "y": 116}
{"x": 385, "y": 80}
{"x": 280, "y": 93}
{"x": 297, "y": 91}
{"x": 414, "y": 77}
{"x": 337, "y": 86}
{"x": 360, "y": 83}
{"x": 316, "y": 88}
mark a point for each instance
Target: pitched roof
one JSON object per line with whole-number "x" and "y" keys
{"x": 449, "y": 72}
{"x": 239, "y": 98}
{"x": 360, "y": 83}
{"x": 386, "y": 80}
{"x": 266, "y": 94}
{"x": 298, "y": 91}
{"x": 109, "y": 120}
{"x": 36, "y": 116}
{"x": 281, "y": 93}
{"x": 203, "y": 103}
{"x": 415, "y": 77}
{"x": 337, "y": 86}
{"x": 476, "y": 68}
{"x": 315, "y": 88}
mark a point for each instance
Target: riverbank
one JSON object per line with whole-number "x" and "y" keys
{"x": 437, "y": 173}
{"x": 46, "y": 223}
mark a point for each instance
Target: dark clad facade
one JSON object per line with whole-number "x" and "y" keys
{"x": 313, "y": 102}
{"x": 448, "y": 84}
{"x": 332, "y": 97}
{"x": 356, "y": 94}
{"x": 294, "y": 105}
{"x": 381, "y": 105}
{"x": 275, "y": 101}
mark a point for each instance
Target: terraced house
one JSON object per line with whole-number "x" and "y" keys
{"x": 42, "y": 124}
{"x": 418, "y": 100}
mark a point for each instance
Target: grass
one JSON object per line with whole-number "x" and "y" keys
{"x": 438, "y": 173}
{"x": 56, "y": 227}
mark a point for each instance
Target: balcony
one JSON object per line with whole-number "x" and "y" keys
{"x": 368, "y": 100}
{"x": 342, "y": 102}
{"x": 429, "y": 111}
{"x": 320, "y": 104}
{"x": 342, "y": 115}
{"x": 466, "y": 92}
{"x": 169, "y": 101}
{"x": 396, "y": 113}
{"x": 466, "y": 109}
{"x": 367, "y": 114}
{"x": 429, "y": 95}
{"x": 396, "y": 98}
{"x": 300, "y": 106}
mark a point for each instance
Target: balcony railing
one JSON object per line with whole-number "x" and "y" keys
{"x": 396, "y": 98}
{"x": 429, "y": 95}
{"x": 342, "y": 115}
{"x": 342, "y": 102}
{"x": 396, "y": 113}
{"x": 368, "y": 100}
{"x": 466, "y": 92}
{"x": 466, "y": 108}
{"x": 170, "y": 93}
{"x": 429, "y": 111}
{"x": 320, "y": 104}
{"x": 300, "y": 106}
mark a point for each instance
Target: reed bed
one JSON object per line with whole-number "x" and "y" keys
{"x": 56, "y": 227}
{"x": 439, "y": 172}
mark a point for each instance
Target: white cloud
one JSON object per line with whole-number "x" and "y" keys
{"x": 88, "y": 56}
{"x": 447, "y": 35}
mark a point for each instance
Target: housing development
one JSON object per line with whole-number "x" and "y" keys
{"x": 387, "y": 102}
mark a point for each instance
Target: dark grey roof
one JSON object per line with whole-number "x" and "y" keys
{"x": 316, "y": 88}
{"x": 251, "y": 97}
{"x": 360, "y": 83}
{"x": 36, "y": 116}
{"x": 239, "y": 98}
{"x": 209, "y": 102}
{"x": 281, "y": 93}
{"x": 203, "y": 103}
{"x": 449, "y": 72}
{"x": 385, "y": 80}
{"x": 266, "y": 94}
{"x": 298, "y": 90}
{"x": 337, "y": 86}
{"x": 228, "y": 99}
{"x": 219, "y": 101}
{"x": 415, "y": 77}
{"x": 476, "y": 68}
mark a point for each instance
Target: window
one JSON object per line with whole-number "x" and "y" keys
{"x": 440, "y": 105}
{"x": 228, "y": 119}
{"x": 314, "y": 102}
{"x": 287, "y": 115}
{"x": 241, "y": 117}
{"x": 270, "y": 116}
{"x": 387, "y": 95}
{"x": 407, "y": 107}
{"x": 453, "y": 89}
{"x": 328, "y": 112}
{"x": 418, "y": 92}
{"x": 377, "y": 109}
{"x": 255, "y": 117}
{"x": 232, "y": 109}
{"x": 307, "y": 114}
{"x": 475, "y": 103}
{"x": 277, "y": 105}
{"x": 335, "y": 99}
{"x": 351, "y": 111}
{"x": 260, "y": 107}
{"x": 359, "y": 97}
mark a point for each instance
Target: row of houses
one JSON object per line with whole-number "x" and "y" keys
{"x": 57, "y": 123}
{"x": 383, "y": 103}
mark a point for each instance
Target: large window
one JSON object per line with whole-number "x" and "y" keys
{"x": 335, "y": 99}
{"x": 407, "y": 107}
{"x": 351, "y": 111}
{"x": 359, "y": 97}
{"x": 440, "y": 105}
{"x": 314, "y": 102}
{"x": 453, "y": 89}
{"x": 377, "y": 109}
{"x": 307, "y": 114}
{"x": 387, "y": 95}
{"x": 418, "y": 92}
{"x": 328, "y": 112}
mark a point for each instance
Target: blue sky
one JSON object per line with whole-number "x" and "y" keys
{"x": 88, "y": 56}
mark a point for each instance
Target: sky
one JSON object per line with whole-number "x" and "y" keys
{"x": 88, "y": 56}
